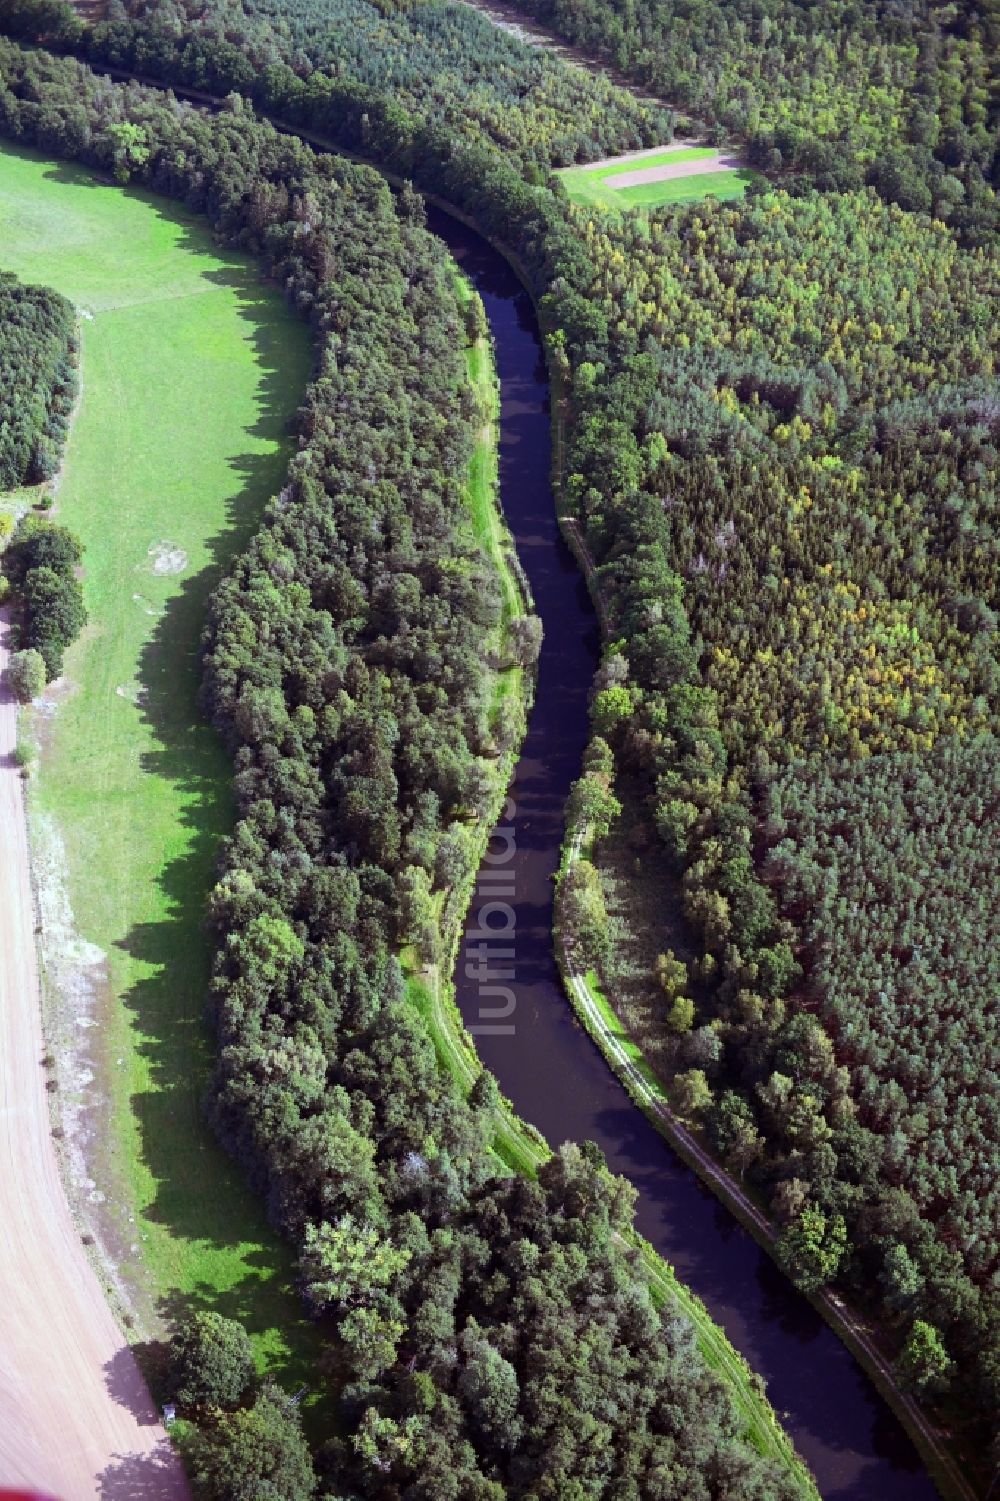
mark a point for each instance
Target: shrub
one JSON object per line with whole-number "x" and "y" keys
{"x": 38, "y": 543}
{"x": 26, "y": 674}
{"x": 56, "y": 614}
{"x": 526, "y": 640}
{"x": 583, "y": 913}
{"x": 812, "y": 1248}
{"x": 256, "y": 1452}
{"x": 680, "y": 1017}
{"x": 692, "y": 1093}
{"x": 211, "y": 1362}
{"x": 924, "y": 1363}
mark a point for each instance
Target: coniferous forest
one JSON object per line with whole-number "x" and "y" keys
{"x": 904, "y": 97}
{"x": 38, "y": 386}
{"x": 37, "y": 381}
{"x": 782, "y": 427}
{"x": 473, "y": 1316}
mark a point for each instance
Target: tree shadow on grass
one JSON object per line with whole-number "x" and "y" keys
{"x": 201, "y": 1197}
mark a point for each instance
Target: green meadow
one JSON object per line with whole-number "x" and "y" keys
{"x": 596, "y": 185}
{"x": 731, "y": 183}
{"x": 191, "y": 368}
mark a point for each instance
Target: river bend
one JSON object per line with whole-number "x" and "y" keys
{"x": 543, "y": 1060}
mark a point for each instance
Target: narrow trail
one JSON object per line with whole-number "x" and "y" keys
{"x": 506, "y": 17}
{"x": 75, "y": 1416}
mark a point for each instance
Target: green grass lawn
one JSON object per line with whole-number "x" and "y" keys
{"x": 731, "y": 183}
{"x": 586, "y": 176}
{"x": 190, "y": 370}
{"x": 657, "y": 159}
{"x": 431, "y": 990}
{"x": 596, "y": 185}
{"x": 488, "y": 524}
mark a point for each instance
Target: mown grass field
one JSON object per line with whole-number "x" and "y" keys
{"x": 597, "y": 185}
{"x": 190, "y": 371}
{"x": 729, "y": 184}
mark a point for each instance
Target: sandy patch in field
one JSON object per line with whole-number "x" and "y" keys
{"x": 76, "y": 973}
{"x": 668, "y": 171}
{"x": 166, "y": 557}
{"x": 684, "y": 143}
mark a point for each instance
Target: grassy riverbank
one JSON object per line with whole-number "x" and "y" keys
{"x": 190, "y": 369}
{"x": 101, "y": 780}
{"x": 488, "y": 524}
{"x": 431, "y": 988}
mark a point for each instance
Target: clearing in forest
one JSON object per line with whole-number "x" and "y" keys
{"x": 190, "y": 369}
{"x": 663, "y": 174}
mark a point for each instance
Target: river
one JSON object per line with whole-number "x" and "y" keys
{"x": 544, "y": 1061}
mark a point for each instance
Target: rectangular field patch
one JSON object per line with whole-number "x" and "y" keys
{"x": 667, "y": 174}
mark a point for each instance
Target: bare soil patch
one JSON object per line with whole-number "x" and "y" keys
{"x": 722, "y": 161}
{"x": 75, "y": 1416}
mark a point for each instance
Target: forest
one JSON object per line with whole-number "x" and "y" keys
{"x": 785, "y": 456}
{"x": 40, "y": 563}
{"x": 38, "y": 384}
{"x": 37, "y": 381}
{"x": 891, "y": 861}
{"x": 782, "y": 423}
{"x": 488, "y": 1335}
{"x": 903, "y": 97}
{"x": 444, "y": 64}
{"x": 798, "y": 361}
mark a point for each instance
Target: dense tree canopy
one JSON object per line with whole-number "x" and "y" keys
{"x": 37, "y": 381}
{"x": 440, "y": 63}
{"x": 490, "y": 1336}
{"x": 904, "y": 96}
{"x": 40, "y": 561}
{"x": 785, "y": 457}
{"x": 782, "y": 450}
{"x": 26, "y": 674}
{"x": 790, "y": 371}
{"x": 892, "y": 859}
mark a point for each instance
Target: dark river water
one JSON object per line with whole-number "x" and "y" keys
{"x": 522, "y": 1022}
